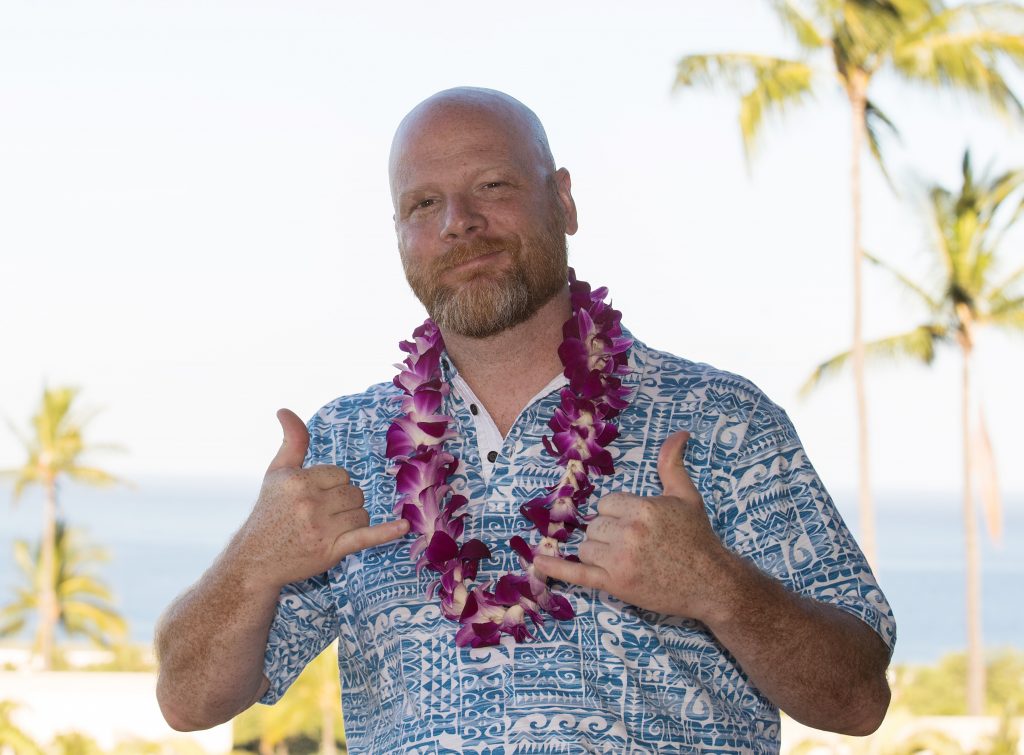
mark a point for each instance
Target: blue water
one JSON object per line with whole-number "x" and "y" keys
{"x": 163, "y": 534}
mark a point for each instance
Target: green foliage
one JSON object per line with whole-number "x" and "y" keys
{"x": 56, "y": 446}
{"x": 1006, "y": 740}
{"x": 921, "y": 41}
{"x": 165, "y": 747}
{"x": 301, "y": 713}
{"x": 74, "y": 743}
{"x": 55, "y": 449}
{"x": 971, "y": 285}
{"x": 84, "y": 602}
{"x": 13, "y": 737}
{"x": 940, "y": 690}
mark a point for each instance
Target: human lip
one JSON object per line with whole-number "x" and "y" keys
{"x": 476, "y": 261}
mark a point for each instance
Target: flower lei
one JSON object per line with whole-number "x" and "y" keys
{"x": 593, "y": 353}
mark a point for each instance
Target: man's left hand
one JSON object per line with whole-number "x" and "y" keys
{"x": 657, "y": 553}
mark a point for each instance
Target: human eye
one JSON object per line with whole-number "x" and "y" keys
{"x": 421, "y": 204}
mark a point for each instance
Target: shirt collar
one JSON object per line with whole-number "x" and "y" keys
{"x": 636, "y": 361}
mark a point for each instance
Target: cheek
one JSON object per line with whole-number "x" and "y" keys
{"x": 417, "y": 241}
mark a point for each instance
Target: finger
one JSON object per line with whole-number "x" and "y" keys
{"x": 602, "y": 529}
{"x": 326, "y": 476}
{"x": 595, "y": 553}
{"x": 367, "y": 537}
{"x": 674, "y": 479}
{"x": 346, "y": 498}
{"x": 296, "y": 441}
{"x": 616, "y": 505}
{"x": 347, "y": 521}
{"x": 586, "y": 575}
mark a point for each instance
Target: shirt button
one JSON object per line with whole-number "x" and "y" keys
{"x": 473, "y": 410}
{"x": 492, "y": 456}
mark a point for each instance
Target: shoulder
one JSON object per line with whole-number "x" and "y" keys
{"x": 704, "y": 387}
{"x": 349, "y": 425}
{"x": 375, "y": 403}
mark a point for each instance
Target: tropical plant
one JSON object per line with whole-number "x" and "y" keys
{"x": 940, "y": 689}
{"x": 310, "y": 708}
{"x": 971, "y": 288}
{"x": 84, "y": 603}
{"x": 899, "y": 734}
{"x": 55, "y": 450}
{"x": 11, "y": 736}
{"x": 75, "y": 743}
{"x": 850, "y": 41}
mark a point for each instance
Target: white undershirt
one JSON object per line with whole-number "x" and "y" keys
{"x": 488, "y": 438}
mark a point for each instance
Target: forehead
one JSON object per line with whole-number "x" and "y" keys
{"x": 452, "y": 137}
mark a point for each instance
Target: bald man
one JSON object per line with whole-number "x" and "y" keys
{"x": 715, "y": 584}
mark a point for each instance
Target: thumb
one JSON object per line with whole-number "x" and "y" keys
{"x": 674, "y": 479}
{"x": 296, "y": 441}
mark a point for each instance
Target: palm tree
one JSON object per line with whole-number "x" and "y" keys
{"x": 968, "y": 292}
{"x": 920, "y": 41}
{"x": 84, "y": 603}
{"x": 55, "y": 449}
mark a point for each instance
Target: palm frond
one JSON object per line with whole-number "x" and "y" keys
{"x": 765, "y": 85}
{"x": 83, "y": 585}
{"x": 875, "y": 123}
{"x": 964, "y": 61}
{"x": 865, "y": 31}
{"x": 12, "y": 627}
{"x": 917, "y": 344}
{"x": 1000, "y": 288}
{"x": 23, "y": 557}
{"x": 1008, "y": 316}
{"x": 92, "y": 476}
{"x": 799, "y": 26}
{"x": 942, "y": 214}
{"x": 999, "y": 189}
{"x": 930, "y": 301}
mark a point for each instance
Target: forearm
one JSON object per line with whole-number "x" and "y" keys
{"x": 819, "y": 664}
{"x": 210, "y": 644}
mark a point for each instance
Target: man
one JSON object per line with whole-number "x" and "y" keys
{"x": 707, "y": 593}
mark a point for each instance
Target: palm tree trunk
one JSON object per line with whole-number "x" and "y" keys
{"x": 857, "y": 92}
{"x": 975, "y": 653}
{"x": 49, "y": 611}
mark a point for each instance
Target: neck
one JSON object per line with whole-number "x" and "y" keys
{"x": 506, "y": 370}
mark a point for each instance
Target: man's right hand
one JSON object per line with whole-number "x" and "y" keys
{"x": 305, "y": 520}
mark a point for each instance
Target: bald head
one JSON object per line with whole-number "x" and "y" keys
{"x": 452, "y": 111}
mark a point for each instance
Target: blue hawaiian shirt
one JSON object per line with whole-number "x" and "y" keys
{"x": 617, "y": 678}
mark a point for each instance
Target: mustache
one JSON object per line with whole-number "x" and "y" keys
{"x": 466, "y": 251}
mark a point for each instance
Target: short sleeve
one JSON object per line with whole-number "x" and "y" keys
{"x": 781, "y": 517}
{"x": 304, "y": 624}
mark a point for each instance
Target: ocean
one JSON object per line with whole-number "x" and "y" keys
{"x": 162, "y": 535}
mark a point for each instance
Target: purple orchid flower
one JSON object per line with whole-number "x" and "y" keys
{"x": 594, "y": 356}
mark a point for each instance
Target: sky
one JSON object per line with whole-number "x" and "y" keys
{"x": 195, "y": 222}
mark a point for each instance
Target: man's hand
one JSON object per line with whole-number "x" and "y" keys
{"x": 818, "y": 663}
{"x": 658, "y": 553}
{"x": 305, "y": 520}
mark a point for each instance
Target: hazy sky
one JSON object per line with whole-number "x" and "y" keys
{"x": 195, "y": 224}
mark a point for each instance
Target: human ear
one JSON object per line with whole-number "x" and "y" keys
{"x": 563, "y": 187}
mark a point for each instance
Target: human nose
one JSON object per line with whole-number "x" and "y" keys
{"x": 461, "y": 218}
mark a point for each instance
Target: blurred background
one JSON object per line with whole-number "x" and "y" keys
{"x": 195, "y": 230}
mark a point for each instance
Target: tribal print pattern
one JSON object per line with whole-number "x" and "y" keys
{"x": 616, "y": 679}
